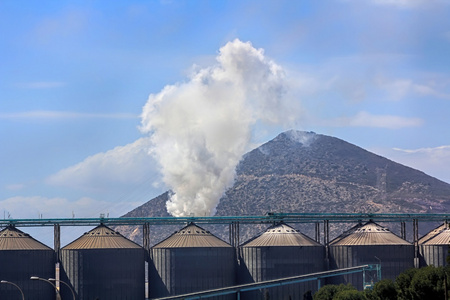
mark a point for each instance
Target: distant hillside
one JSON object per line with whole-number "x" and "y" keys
{"x": 307, "y": 172}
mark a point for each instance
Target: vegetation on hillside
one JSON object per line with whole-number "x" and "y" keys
{"x": 413, "y": 284}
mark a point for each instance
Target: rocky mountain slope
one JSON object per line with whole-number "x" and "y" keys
{"x": 307, "y": 172}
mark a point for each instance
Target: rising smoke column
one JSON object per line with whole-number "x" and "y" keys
{"x": 201, "y": 128}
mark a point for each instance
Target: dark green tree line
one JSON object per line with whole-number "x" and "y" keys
{"x": 413, "y": 284}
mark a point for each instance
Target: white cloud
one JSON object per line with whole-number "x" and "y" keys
{"x": 408, "y": 3}
{"x": 41, "y": 85}
{"x": 15, "y": 187}
{"x": 399, "y": 3}
{"x": 65, "y": 24}
{"x": 437, "y": 152}
{"x": 432, "y": 161}
{"x": 365, "y": 119}
{"x": 398, "y": 89}
{"x": 34, "y": 207}
{"x": 427, "y": 90}
{"x": 54, "y": 115}
{"x": 126, "y": 168}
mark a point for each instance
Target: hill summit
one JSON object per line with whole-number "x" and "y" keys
{"x": 307, "y": 172}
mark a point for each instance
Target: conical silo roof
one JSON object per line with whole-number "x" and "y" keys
{"x": 191, "y": 236}
{"x": 433, "y": 233}
{"x": 101, "y": 237}
{"x": 280, "y": 235}
{"x": 12, "y": 238}
{"x": 368, "y": 234}
{"x": 442, "y": 238}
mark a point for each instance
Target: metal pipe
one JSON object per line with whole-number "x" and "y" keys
{"x": 416, "y": 242}
{"x": 12, "y": 283}
{"x": 57, "y": 240}
{"x": 146, "y": 240}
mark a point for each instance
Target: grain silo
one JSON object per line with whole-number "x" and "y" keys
{"x": 370, "y": 244}
{"x": 104, "y": 265}
{"x": 21, "y": 257}
{"x": 434, "y": 246}
{"x": 191, "y": 260}
{"x": 281, "y": 251}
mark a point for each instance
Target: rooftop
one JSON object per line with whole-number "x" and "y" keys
{"x": 101, "y": 237}
{"x": 280, "y": 235}
{"x": 12, "y": 238}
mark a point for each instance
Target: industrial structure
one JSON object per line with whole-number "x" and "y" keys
{"x": 279, "y": 252}
{"x": 434, "y": 247}
{"x": 370, "y": 243}
{"x": 191, "y": 260}
{"x": 102, "y": 264}
{"x": 105, "y": 265}
{"x": 21, "y": 257}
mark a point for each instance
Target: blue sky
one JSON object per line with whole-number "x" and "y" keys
{"x": 75, "y": 76}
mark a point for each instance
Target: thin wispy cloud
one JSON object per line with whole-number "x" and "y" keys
{"x": 15, "y": 187}
{"x": 431, "y": 160}
{"x": 408, "y": 3}
{"x": 68, "y": 23}
{"x": 122, "y": 168}
{"x": 365, "y": 119}
{"x": 40, "y": 85}
{"x": 398, "y": 89}
{"x": 436, "y": 151}
{"x": 50, "y": 207}
{"x": 63, "y": 115}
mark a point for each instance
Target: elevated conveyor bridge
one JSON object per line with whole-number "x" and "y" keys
{"x": 234, "y": 221}
{"x": 238, "y": 289}
{"x": 268, "y": 218}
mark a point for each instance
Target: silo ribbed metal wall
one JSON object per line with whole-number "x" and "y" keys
{"x": 110, "y": 274}
{"x": 18, "y": 266}
{"x": 435, "y": 255}
{"x": 177, "y": 271}
{"x": 394, "y": 260}
{"x": 267, "y": 263}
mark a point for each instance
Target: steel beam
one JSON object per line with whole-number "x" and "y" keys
{"x": 269, "y": 218}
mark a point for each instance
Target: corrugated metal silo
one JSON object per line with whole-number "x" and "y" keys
{"x": 281, "y": 251}
{"x": 21, "y": 257}
{"x": 370, "y": 244}
{"x": 191, "y": 260}
{"x": 104, "y": 265}
{"x": 434, "y": 246}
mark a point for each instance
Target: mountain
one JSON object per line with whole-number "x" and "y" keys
{"x": 307, "y": 172}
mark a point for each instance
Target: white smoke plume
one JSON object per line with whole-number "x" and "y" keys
{"x": 201, "y": 128}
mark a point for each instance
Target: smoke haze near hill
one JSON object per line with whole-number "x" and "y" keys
{"x": 201, "y": 128}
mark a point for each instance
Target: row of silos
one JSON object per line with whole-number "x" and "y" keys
{"x": 193, "y": 259}
{"x": 102, "y": 264}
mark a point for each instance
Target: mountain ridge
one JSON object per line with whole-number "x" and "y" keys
{"x": 300, "y": 171}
